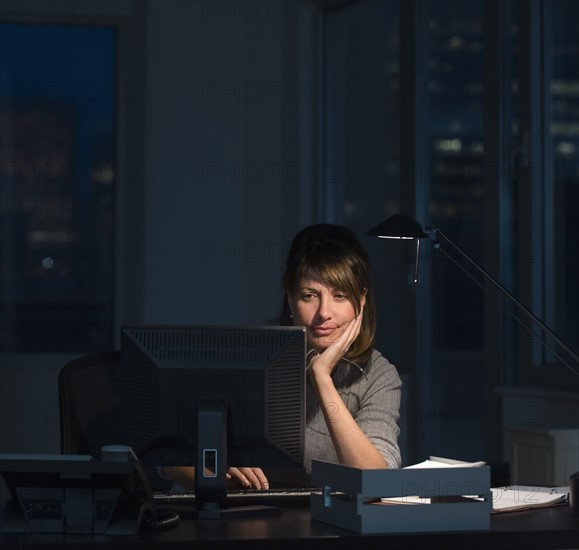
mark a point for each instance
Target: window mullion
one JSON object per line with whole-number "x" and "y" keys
{"x": 416, "y": 189}
{"x": 530, "y": 183}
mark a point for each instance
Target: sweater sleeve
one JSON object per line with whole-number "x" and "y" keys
{"x": 379, "y": 408}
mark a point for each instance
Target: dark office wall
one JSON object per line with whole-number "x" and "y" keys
{"x": 222, "y": 178}
{"x": 206, "y": 219}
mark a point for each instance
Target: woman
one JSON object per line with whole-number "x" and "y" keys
{"x": 353, "y": 398}
{"x": 353, "y": 392}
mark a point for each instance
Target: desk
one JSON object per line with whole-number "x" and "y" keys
{"x": 547, "y": 528}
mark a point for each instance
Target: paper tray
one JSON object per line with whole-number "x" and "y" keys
{"x": 347, "y": 495}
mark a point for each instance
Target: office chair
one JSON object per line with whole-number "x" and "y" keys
{"x": 90, "y": 394}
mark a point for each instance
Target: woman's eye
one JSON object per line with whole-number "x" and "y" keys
{"x": 307, "y": 297}
{"x": 340, "y": 296}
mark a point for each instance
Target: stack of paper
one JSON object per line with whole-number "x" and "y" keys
{"x": 432, "y": 462}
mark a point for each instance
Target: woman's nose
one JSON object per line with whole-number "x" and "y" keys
{"x": 324, "y": 311}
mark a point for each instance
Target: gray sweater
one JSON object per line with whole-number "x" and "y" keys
{"x": 373, "y": 399}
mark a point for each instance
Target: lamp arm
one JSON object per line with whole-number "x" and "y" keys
{"x": 435, "y": 232}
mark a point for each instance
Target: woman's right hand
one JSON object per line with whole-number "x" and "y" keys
{"x": 247, "y": 478}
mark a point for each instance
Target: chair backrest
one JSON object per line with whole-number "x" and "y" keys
{"x": 89, "y": 391}
{"x": 90, "y": 403}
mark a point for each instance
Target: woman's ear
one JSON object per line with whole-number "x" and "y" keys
{"x": 363, "y": 298}
{"x": 289, "y": 306}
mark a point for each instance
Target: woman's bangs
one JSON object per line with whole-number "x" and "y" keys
{"x": 341, "y": 277}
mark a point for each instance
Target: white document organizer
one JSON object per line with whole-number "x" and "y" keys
{"x": 346, "y": 494}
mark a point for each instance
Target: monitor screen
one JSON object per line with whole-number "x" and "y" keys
{"x": 213, "y": 396}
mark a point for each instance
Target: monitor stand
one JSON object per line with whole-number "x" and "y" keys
{"x": 210, "y": 478}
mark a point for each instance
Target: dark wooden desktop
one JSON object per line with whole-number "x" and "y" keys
{"x": 293, "y": 529}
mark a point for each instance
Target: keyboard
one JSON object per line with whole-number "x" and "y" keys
{"x": 283, "y": 497}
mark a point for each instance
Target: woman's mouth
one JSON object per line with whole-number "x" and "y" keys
{"x": 323, "y": 331}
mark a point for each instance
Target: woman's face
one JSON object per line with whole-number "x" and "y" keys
{"x": 323, "y": 310}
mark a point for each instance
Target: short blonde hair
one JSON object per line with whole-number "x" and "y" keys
{"x": 334, "y": 253}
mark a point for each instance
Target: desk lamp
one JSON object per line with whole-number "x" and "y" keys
{"x": 402, "y": 226}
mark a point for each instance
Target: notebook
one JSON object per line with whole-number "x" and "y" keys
{"x": 525, "y": 497}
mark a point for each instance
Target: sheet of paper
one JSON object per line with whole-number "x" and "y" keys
{"x": 438, "y": 462}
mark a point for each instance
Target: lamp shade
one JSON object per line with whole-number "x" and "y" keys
{"x": 398, "y": 226}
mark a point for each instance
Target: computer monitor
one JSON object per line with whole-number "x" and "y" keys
{"x": 212, "y": 396}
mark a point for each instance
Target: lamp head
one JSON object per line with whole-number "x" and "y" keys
{"x": 398, "y": 226}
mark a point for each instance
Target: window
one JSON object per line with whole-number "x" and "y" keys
{"x": 564, "y": 129}
{"x": 504, "y": 188}
{"x": 548, "y": 174}
{"x": 457, "y": 186}
{"x": 57, "y": 188}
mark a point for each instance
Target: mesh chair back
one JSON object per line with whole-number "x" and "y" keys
{"x": 90, "y": 403}
{"x": 90, "y": 399}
